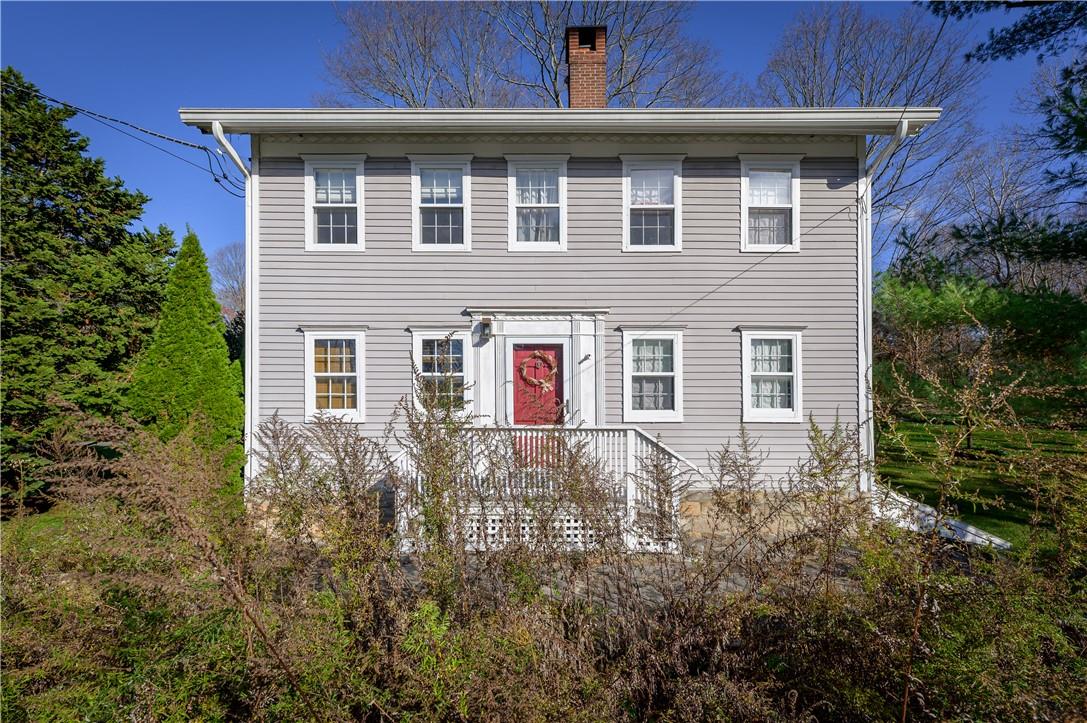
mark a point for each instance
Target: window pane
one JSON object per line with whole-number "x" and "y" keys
{"x": 336, "y": 225}
{"x": 537, "y": 186}
{"x": 449, "y": 390}
{"x": 652, "y": 393}
{"x": 651, "y": 187}
{"x": 769, "y": 188}
{"x": 651, "y": 228}
{"x": 652, "y": 355}
{"x": 334, "y": 356}
{"x": 334, "y": 185}
{"x": 336, "y": 393}
{"x": 443, "y": 356}
{"x": 769, "y": 227}
{"x": 771, "y": 392}
{"x": 538, "y": 225}
{"x": 772, "y": 355}
{"x": 440, "y": 185}
{"x": 442, "y": 226}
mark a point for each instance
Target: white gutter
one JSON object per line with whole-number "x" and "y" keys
{"x": 251, "y": 319}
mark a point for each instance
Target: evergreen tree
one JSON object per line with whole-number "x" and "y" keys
{"x": 186, "y": 369}
{"x": 81, "y": 292}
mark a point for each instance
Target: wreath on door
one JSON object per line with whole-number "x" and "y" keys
{"x": 546, "y": 383}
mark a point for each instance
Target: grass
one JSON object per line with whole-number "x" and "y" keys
{"x": 1001, "y": 509}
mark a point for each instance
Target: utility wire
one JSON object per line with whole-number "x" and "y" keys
{"x": 228, "y": 183}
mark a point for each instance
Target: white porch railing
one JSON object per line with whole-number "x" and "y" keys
{"x": 515, "y": 463}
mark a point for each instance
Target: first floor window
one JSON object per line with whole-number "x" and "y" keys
{"x": 334, "y": 203}
{"x": 771, "y": 375}
{"x": 442, "y": 370}
{"x": 652, "y": 363}
{"x": 443, "y": 361}
{"x": 334, "y": 375}
{"x": 441, "y": 192}
{"x": 770, "y": 211}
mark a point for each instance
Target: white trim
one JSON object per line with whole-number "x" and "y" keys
{"x": 506, "y": 373}
{"x": 646, "y": 415}
{"x": 359, "y": 337}
{"x": 469, "y": 371}
{"x": 768, "y": 162}
{"x": 796, "y": 414}
{"x": 865, "y": 412}
{"x": 356, "y": 161}
{"x": 462, "y": 162}
{"x": 673, "y": 163}
{"x": 550, "y": 162}
{"x": 849, "y": 121}
{"x": 252, "y": 311}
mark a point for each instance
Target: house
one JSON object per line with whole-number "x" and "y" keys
{"x": 640, "y": 274}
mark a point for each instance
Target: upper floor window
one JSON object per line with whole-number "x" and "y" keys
{"x": 652, "y": 375}
{"x": 652, "y": 203}
{"x": 771, "y": 375}
{"x": 537, "y": 207}
{"x": 334, "y": 374}
{"x": 443, "y": 361}
{"x": 770, "y": 203}
{"x": 334, "y": 204}
{"x": 441, "y": 203}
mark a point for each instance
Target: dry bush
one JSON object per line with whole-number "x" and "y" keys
{"x": 430, "y": 575}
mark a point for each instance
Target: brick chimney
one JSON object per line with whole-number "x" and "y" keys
{"x": 586, "y": 58}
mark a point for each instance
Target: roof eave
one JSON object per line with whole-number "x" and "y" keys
{"x": 843, "y": 121}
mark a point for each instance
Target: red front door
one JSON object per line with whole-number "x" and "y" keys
{"x": 537, "y": 384}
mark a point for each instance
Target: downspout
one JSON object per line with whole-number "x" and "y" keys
{"x": 901, "y": 132}
{"x": 251, "y": 311}
{"x": 869, "y": 171}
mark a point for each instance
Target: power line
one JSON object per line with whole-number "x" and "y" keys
{"x": 222, "y": 178}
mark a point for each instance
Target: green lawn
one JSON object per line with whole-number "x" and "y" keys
{"x": 981, "y": 470}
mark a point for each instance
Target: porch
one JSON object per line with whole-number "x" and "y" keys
{"x": 569, "y": 486}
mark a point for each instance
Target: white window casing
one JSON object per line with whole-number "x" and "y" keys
{"x": 442, "y": 202}
{"x": 652, "y": 361}
{"x": 656, "y": 202}
{"x": 773, "y": 360}
{"x": 329, "y": 375}
{"x": 531, "y": 193}
{"x": 770, "y": 193}
{"x": 419, "y": 337}
{"x": 335, "y": 190}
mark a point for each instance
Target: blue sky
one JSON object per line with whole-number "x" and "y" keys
{"x": 142, "y": 61}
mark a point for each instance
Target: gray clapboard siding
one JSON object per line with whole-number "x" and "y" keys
{"x": 709, "y": 288}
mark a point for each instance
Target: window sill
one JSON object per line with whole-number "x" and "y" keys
{"x": 792, "y": 419}
{"x": 336, "y": 248}
{"x": 783, "y": 249}
{"x": 653, "y": 249}
{"x": 663, "y": 418}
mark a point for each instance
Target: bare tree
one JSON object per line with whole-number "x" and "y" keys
{"x": 508, "y": 54}
{"x": 838, "y": 55}
{"x": 227, "y": 267}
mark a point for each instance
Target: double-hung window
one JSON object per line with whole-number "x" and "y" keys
{"x": 441, "y": 203}
{"x": 770, "y": 203}
{"x": 652, "y": 375}
{"x": 334, "y": 374}
{"x": 772, "y": 379}
{"x": 335, "y": 219}
{"x": 443, "y": 360}
{"x": 652, "y": 203}
{"x": 537, "y": 203}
